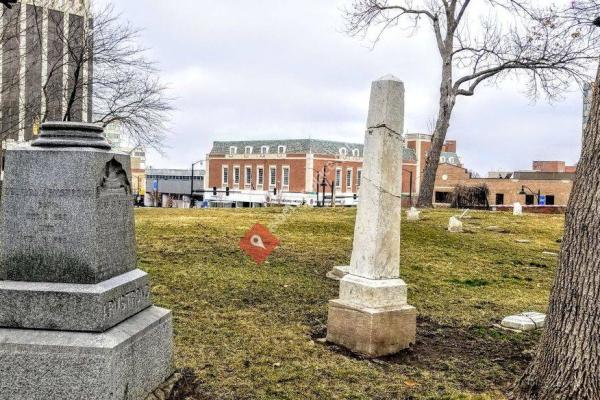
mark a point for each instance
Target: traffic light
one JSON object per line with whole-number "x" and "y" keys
{"x": 227, "y": 191}
{"x": 355, "y": 196}
{"x": 214, "y": 190}
{"x": 275, "y": 191}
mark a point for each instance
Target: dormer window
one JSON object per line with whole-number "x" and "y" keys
{"x": 355, "y": 153}
{"x": 343, "y": 151}
{"x": 248, "y": 150}
{"x": 451, "y": 160}
{"x": 232, "y": 150}
{"x": 442, "y": 160}
{"x": 281, "y": 149}
{"x": 264, "y": 150}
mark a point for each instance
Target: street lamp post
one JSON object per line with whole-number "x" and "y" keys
{"x": 410, "y": 182}
{"x": 192, "y": 183}
{"x": 538, "y": 194}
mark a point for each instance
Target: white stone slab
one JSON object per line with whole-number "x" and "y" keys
{"x": 527, "y": 321}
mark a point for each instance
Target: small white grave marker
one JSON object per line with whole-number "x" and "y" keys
{"x": 455, "y": 225}
{"x": 413, "y": 214}
{"x": 517, "y": 209}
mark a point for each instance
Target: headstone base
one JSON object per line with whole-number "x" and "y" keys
{"x": 372, "y": 332}
{"x": 126, "y": 362}
{"x": 73, "y": 306}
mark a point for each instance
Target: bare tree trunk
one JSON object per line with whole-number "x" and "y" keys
{"x": 567, "y": 365}
{"x": 73, "y": 94}
{"x": 447, "y": 102}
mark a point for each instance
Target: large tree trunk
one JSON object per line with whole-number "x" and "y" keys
{"x": 447, "y": 102}
{"x": 567, "y": 364}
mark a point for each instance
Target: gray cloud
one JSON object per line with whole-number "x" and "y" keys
{"x": 284, "y": 69}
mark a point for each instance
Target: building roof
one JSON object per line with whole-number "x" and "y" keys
{"x": 450, "y": 158}
{"x": 299, "y": 146}
{"x": 174, "y": 172}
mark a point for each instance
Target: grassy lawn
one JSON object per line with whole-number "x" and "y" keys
{"x": 250, "y": 332}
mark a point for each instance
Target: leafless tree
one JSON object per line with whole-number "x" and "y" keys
{"x": 567, "y": 363}
{"x": 485, "y": 41}
{"x": 96, "y": 59}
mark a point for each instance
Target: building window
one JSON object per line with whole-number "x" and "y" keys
{"x": 232, "y": 150}
{"x": 349, "y": 180}
{"x": 344, "y": 151}
{"x": 260, "y": 177}
{"x": 451, "y": 160}
{"x": 286, "y": 177}
{"x": 356, "y": 153}
{"x": 338, "y": 178}
{"x": 236, "y": 175}
{"x": 529, "y": 199}
{"x": 358, "y": 178}
{"x": 549, "y": 199}
{"x": 264, "y": 150}
{"x": 281, "y": 149}
{"x": 442, "y": 160}
{"x": 225, "y": 176}
{"x": 248, "y": 176}
{"x": 272, "y": 176}
{"x": 499, "y": 199}
{"x": 442, "y": 197}
{"x": 248, "y": 150}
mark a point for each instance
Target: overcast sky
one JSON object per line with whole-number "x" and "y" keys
{"x": 270, "y": 69}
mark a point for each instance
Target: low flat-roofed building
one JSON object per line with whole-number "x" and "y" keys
{"x": 173, "y": 187}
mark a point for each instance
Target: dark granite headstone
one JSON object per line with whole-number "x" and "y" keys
{"x": 76, "y": 319}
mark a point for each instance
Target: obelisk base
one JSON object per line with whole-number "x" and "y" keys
{"x": 126, "y": 362}
{"x": 371, "y": 317}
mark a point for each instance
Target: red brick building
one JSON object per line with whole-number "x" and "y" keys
{"x": 293, "y": 172}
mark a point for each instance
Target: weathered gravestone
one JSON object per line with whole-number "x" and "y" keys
{"x": 372, "y": 316}
{"x": 517, "y": 209}
{"x": 76, "y": 319}
{"x": 413, "y": 214}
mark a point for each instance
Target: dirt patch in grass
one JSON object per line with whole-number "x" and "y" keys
{"x": 477, "y": 359}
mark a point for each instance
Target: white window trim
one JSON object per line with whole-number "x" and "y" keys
{"x": 224, "y": 182}
{"x": 271, "y": 174}
{"x": 232, "y": 150}
{"x": 260, "y": 185}
{"x": 237, "y": 184}
{"x": 349, "y": 187}
{"x": 281, "y": 149}
{"x": 247, "y": 184}
{"x": 248, "y": 150}
{"x": 283, "y": 185}
{"x": 338, "y": 185}
{"x": 355, "y": 153}
{"x": 358, "y": 178}
{"x": 343, "y": 151}
{"x": 442, "y": 160}
{"x": 264, "y": 150}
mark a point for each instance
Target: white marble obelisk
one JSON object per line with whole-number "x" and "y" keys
{"x": 371, "y": 316}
